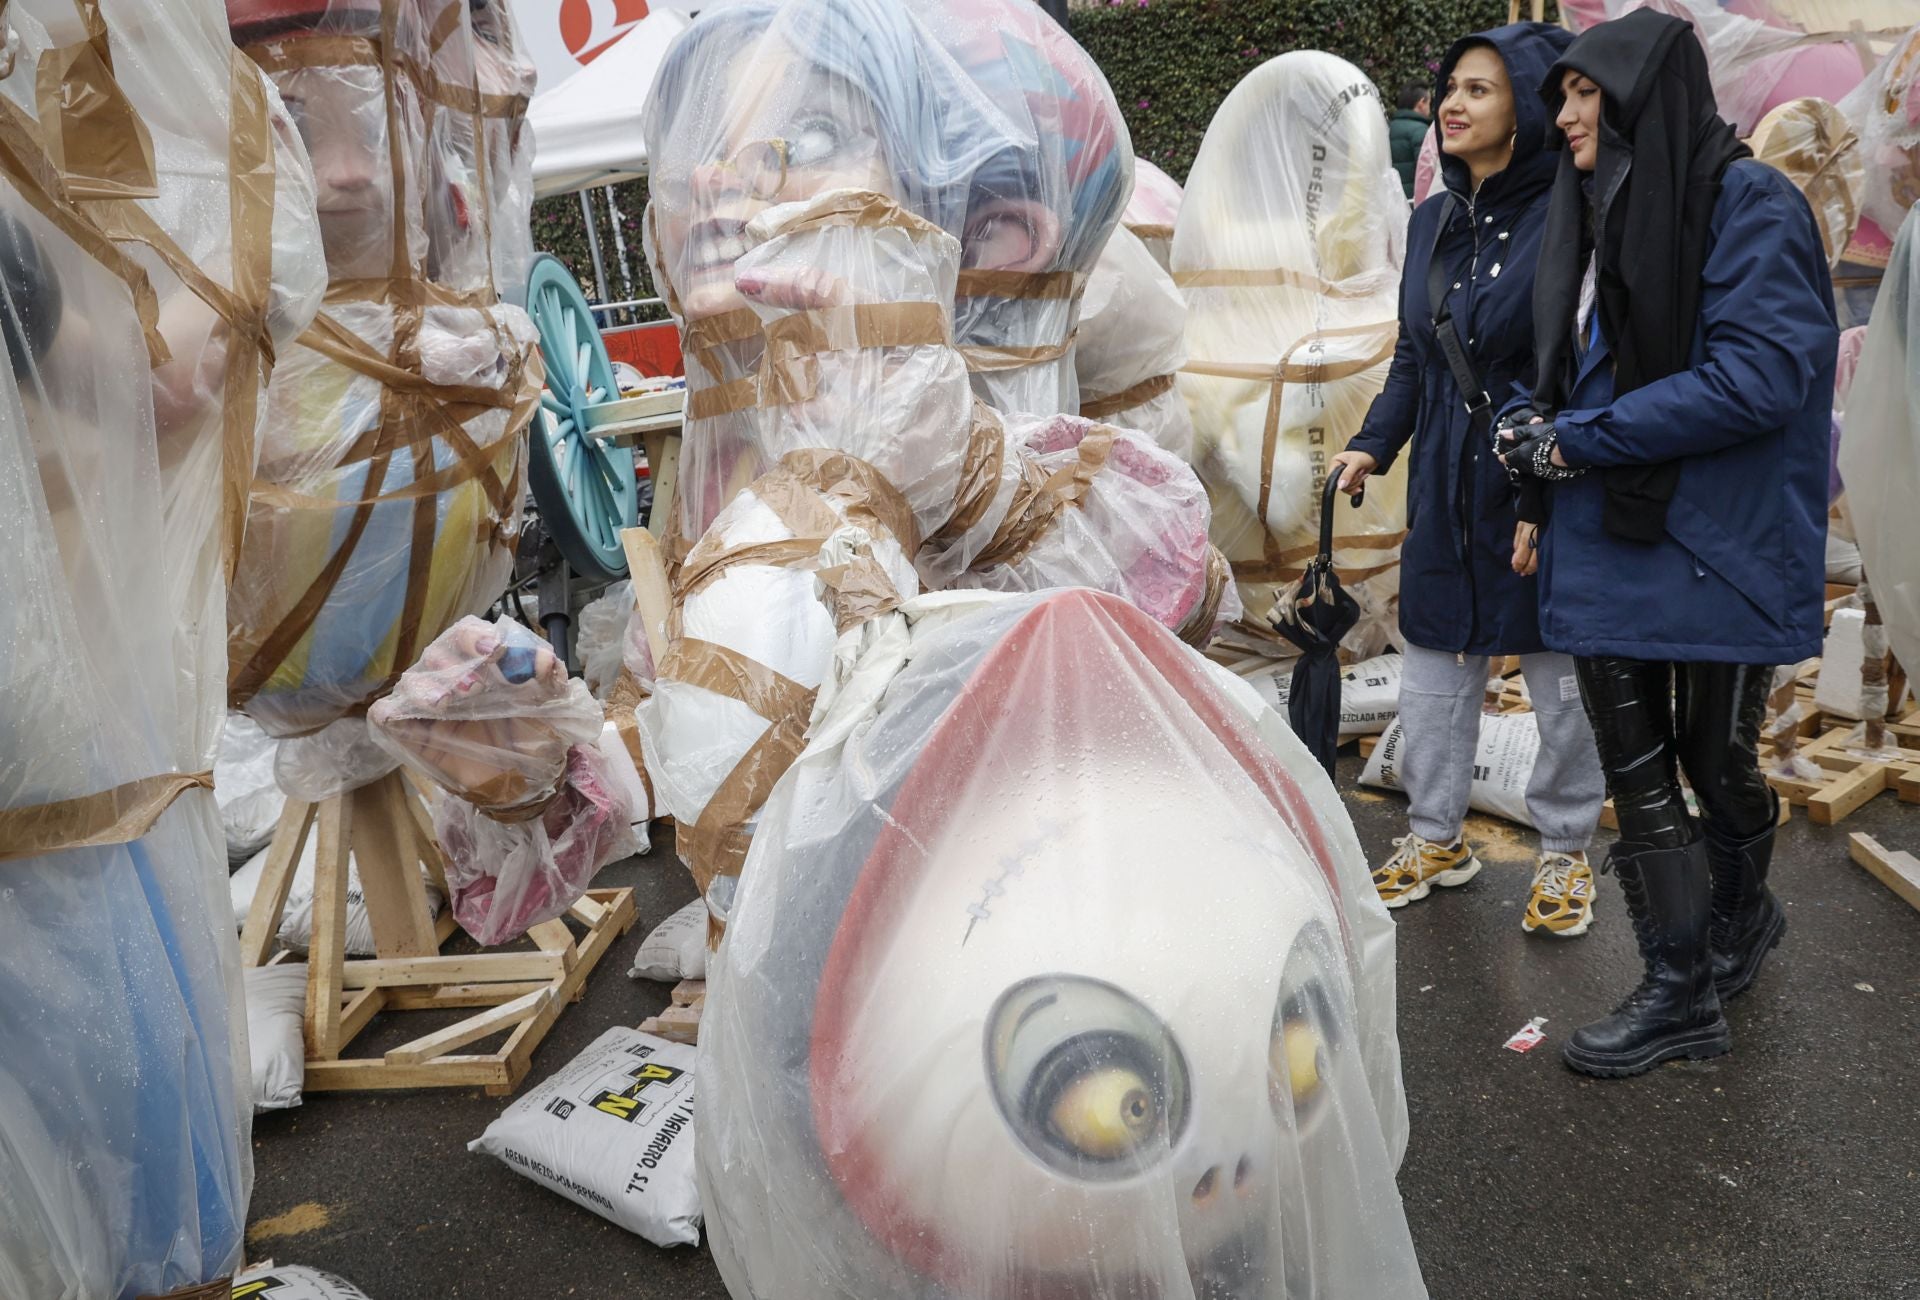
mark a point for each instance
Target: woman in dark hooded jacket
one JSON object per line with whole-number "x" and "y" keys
{"x": 1686, "y": 338}
{"x": 1466, "y": 590}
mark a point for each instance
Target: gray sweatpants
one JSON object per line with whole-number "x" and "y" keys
{"x": 1440, "y": 710}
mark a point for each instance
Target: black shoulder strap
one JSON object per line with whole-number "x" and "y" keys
{"x": 1479, "y": 404}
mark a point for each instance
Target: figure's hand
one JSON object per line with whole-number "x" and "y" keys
{"x": 1526, "y": 549}
{"x": 801, "y": 288}
{"x": 1354, "y": 466}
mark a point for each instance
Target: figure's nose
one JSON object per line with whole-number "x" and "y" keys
{"x": 348, "y": 173}
{"x": 1224, "y": 1183}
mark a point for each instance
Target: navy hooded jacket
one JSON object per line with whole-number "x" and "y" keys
{"x": 1458, "y": 590}
{"x": 1739, "y": 574}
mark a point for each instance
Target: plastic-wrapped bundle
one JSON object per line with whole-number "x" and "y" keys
{"x": 1810, "y": 141}
{"x": 490, "y": 716}
{"x": 957, "y": 936}
{"x": 1758, "y": 60}
{"x": 1133, "y": 325}
{"x": 392, "y": 463}
{"x": 1152, "y": 209}
{"x": 1880, "y": 455}
{"x": 507, "y": 80}
{"x": 1289, "y": 247}
{"x": 1884, "y": 111}
{"x": 984, "y": 119}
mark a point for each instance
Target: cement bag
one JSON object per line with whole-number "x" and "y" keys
{"x": 1502, "y": 764}
{"x": 625, "y": 774}
{"x": 1132, "y": 343}
{"x": 613, "y": 1131}
{"x": 983, "y": 118}
{"x": 296, "y": 920}
{"x": 1289, "y": 247}
{"x": 676, "y": 949}
{"x": 1880, "y": 455}
{"x": 270, "y": 1281}
{"x": 954, "y": 934}
{"x": 1369, "y": 692}
{"x": 276, "y": 1006}
{"x": 243, "y": 784}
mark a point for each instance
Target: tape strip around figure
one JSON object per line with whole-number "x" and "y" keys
{"x": 92, "y": 132}
{"x": 1100, "y": 408}
{"x": 117, "y": 816}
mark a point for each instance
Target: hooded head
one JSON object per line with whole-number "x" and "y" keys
{"x": 1527, "y": 50}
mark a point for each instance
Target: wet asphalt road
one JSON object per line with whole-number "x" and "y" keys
{"x": 1790, "y": 1168}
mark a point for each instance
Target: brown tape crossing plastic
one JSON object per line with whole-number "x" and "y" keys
{"x": 117, "y": 816}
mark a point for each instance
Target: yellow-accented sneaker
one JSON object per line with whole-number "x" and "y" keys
{"x": 1418, "y": 865}
{"x": 1562, "y": 900}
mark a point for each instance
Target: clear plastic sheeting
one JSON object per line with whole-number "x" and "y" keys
{"x": 1880, "y": 455}
{"x": 1133, "y": 324}
{"x": 1759, "y": 60}
{"x": 982, "y": 118}
{"x": 125, "y": 1164}
{"x": 1884, "y": 111}
{"x": 957, "y": 935}
{"x": 506, "y": 78}
{"x": 1811, "y": 142}
{"x": 340, "y": 757}
{"x": 392, "y": 463}
{"x": 490, "y": 716}
{"x": 1289, "y": 246}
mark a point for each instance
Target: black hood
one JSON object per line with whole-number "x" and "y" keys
{"x": 1529, "y": 50}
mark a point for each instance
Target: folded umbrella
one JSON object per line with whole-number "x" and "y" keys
{"x": 1314, "y": 616}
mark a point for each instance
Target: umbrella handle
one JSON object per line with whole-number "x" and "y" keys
{"x": 1329, "y": 497}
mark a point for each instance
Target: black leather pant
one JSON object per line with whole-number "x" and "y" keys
{"x": 1651, "y": 719}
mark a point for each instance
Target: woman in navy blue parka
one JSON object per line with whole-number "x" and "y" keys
{"x": 1680, "y": 415}
{"x": 1466, "y": 587}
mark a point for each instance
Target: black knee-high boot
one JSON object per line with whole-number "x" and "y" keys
{"x": 1674, "y": 1012}
{"x": 1747, "y": 919}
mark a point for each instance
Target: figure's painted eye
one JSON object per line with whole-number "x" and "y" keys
{"x": 1090, "y": 1081}
{"x": 1306, "y": 1035}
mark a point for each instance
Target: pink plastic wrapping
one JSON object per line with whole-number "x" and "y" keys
{"x": 1047, "y": 900}
{"x": 1153, "y": 209}
{"x": 982, "y": 118}
{"x": 490, "y": 716}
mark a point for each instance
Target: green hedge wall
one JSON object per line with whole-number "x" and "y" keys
{"x": 1171, "y": 62}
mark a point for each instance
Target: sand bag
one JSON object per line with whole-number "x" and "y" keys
{"x": 676, "y": 949}
{"x": 953, "y": 934}
{"x": 1369, "y": 692}
{"x": 270, "y": 1281}
{"x": 243, "y": 782}
{"x": 1502, "y": 764}
{"x": 296, "y": 921}
{"x": 612, "y": 1131}
{"x": 276, "y": 1007}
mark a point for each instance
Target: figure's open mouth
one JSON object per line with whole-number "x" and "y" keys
{"x": 716, "y": 243}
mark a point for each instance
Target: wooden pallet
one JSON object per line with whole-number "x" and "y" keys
{"x": 520, "y": 992}
{"x": 680, "y": 1022}
{"x": 1852, "y": 779}
{"x": 1896, "y": 869}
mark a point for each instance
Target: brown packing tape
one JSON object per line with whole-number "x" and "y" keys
{"x": 24, "y": 162}
{"x": 221, "y": 1288}
{"x": 789, "y": 367}
{"x": 864, "y": 493}
{"x": 860, "y": 590}
{"x": 984, "y": 359}
{"x": 1037, "y": 502}
{"x": 1145, "y": 230}
{"x": 1279, "y": 277}
{"x": 386, "y": 291}
{"x": 730, "y": 398}
{"x": 1288, "y": 370}
{"x": 92, "y": 132}
{"x": 1197, "y": 630}
{"x": 980, "y": 472}
{"x": 1057, "y": 286}
{"x": 1101, "y": 408}
{"x": 117, "y": 816}
{"x": 339, "y": 50}
{"x": 866, "y": 209}
{"x": 727, "y": 672}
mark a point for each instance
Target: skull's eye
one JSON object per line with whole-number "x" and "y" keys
{"x": 1087, "y": 1077}
{"x": 1306, "y": 1036}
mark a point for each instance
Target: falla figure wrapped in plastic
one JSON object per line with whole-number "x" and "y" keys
{"x": 490, "y": 716}
{"x": 392, "y": 463}
{"x": 1054, "y": 971}
{"x": 984, "y": 118}
{"x": 1288, "y": 245}
{"x": 157, "y": 246}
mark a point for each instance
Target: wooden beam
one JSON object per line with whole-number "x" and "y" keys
{"x": 455, "y": 997}
{"x": 276, "y": 879}
{"x": 474, "y": 968}
{"x": 368, "y": 1073}
{"x": 472, "y": 1029}
{"x": 362, "y": 1007}
{"x": 327, "y": 950}
{"x": 1896, "y": 869}
{"x": 1845, "y": 793}
{"x": 389, "y": 870}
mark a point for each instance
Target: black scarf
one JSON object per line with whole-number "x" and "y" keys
{"x": 1663, "y": 150}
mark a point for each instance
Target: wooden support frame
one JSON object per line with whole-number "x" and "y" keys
{"x": 384, "y": 830}
{"x": 1849, "y": 779}
{"x": 1896, "y": 869}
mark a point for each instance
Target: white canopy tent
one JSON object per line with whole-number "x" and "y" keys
{"x": 586, "y": 129}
